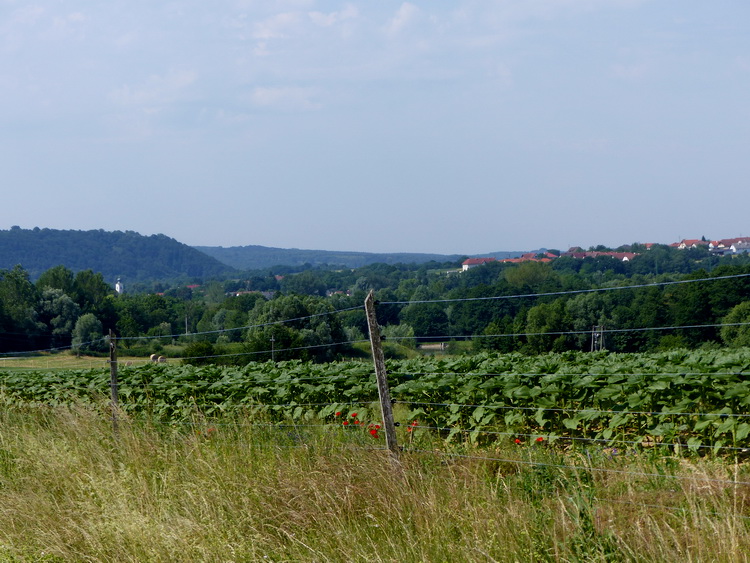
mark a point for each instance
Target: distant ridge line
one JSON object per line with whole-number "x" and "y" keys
{"x": 130, "y": 255}
{"x": 255, "y": 257}
{"x": 140, "y": 258}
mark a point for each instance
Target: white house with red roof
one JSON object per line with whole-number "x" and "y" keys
{"x": 727, "y": 242}
{"x": 531, "y": 257}
{"x": 730, "y": 245}
{"x": 623, "y": 256}
{"x": 474, "y": 262}
{"x": 691, "y": 243}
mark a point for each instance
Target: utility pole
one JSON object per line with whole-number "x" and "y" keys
{"x": 273, "y": 354}
{"x": 597, "y": 338}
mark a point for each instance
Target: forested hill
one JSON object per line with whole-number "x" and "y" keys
{"x": 132, "y": 256}
{"x": 261, "y": 257}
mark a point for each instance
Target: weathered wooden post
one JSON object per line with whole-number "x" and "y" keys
{"x": 113, "y": 378}
{"x": 386, "y": 406}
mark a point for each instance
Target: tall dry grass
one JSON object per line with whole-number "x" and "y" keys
{"x": 72, "y": 490}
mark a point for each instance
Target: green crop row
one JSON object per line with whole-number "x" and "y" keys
{"x": 699, "y": 399}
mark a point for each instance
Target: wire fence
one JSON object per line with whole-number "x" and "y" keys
{"x": 15, "y": 356}
{"x": 45, "y": 358}
{"x": 443, "y": 429}
{"x": 631, "y": 429}
{"x": 523, "y": 450}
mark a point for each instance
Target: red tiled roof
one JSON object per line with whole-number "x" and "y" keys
{"x": 730, "y": 241}
{"x": 596, "y": 253}
{"x": 476, "y": 261}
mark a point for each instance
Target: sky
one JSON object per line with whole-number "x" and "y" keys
{"x": 451, "y": 127}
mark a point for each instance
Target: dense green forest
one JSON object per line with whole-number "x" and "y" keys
{"x": 134, "y": 257}
{"x": 530, "y": 307}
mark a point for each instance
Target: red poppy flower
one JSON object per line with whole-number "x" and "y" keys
{"x": 346, "y": 423}
{"x": 415, "y": 423}
{"x": 540, "y": 439}
{"x": 354, "y": 414}
{"x": 377, "y": 426}
{"x": 374, "y": 433}
{"x": 357, "y": 422}
{"x": 408, "y": 428}
{"x": 338, "y": 413}
{"x": 517, "y": 441}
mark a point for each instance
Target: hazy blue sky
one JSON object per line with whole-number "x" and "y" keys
{"x": 450, "y": 127}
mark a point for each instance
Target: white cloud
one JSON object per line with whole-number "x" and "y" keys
{"x": 157, "y": 89}
{"x": 14, "y": 30}
{"x": 276, "y": 27}
{"x": 225, "y": 117}
{"x": 67, "y": 26}
{"x": 549, "y": 8}
{"x": 76, "y": 17}
{"x": 27, "y": 15}
{"x": 45, "y": 23}
{"x": 287, "y": 98}
{"x": 261, "y": 49}
{"x": 406, "y": 13}
{"x": 332, "y": 18}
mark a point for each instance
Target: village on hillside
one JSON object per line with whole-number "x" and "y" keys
{"x": 722, "y": 247}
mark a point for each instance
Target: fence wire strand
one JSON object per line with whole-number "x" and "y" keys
{"x": 566, "y": 292}
{"x": 579, "y": 410}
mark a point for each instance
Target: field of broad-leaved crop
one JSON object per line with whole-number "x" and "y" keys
{"x": 698, "y": 400}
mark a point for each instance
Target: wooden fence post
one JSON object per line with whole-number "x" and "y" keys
{"x": 386, "y": 406}
{"x": 113, "y": 377}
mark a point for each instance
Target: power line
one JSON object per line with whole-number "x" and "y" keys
{"x": 499, "y": 297}
{"x": 564, "y": 374}
{"x": 191, "y": 334}
{"x": 276, "y": 350}
{"x": 561, "y": 332}
{"x": 260, "y": 325}
{"x": 567, "y": 292}
{"x": 57, "y": 349}
{"x": 420, "y": 338}
{"x": 552, "y": 438}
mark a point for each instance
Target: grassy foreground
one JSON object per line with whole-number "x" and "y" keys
{"x": 70, "y": 490}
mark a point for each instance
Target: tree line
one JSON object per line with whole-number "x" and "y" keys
{"x": 427, "y": 302}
